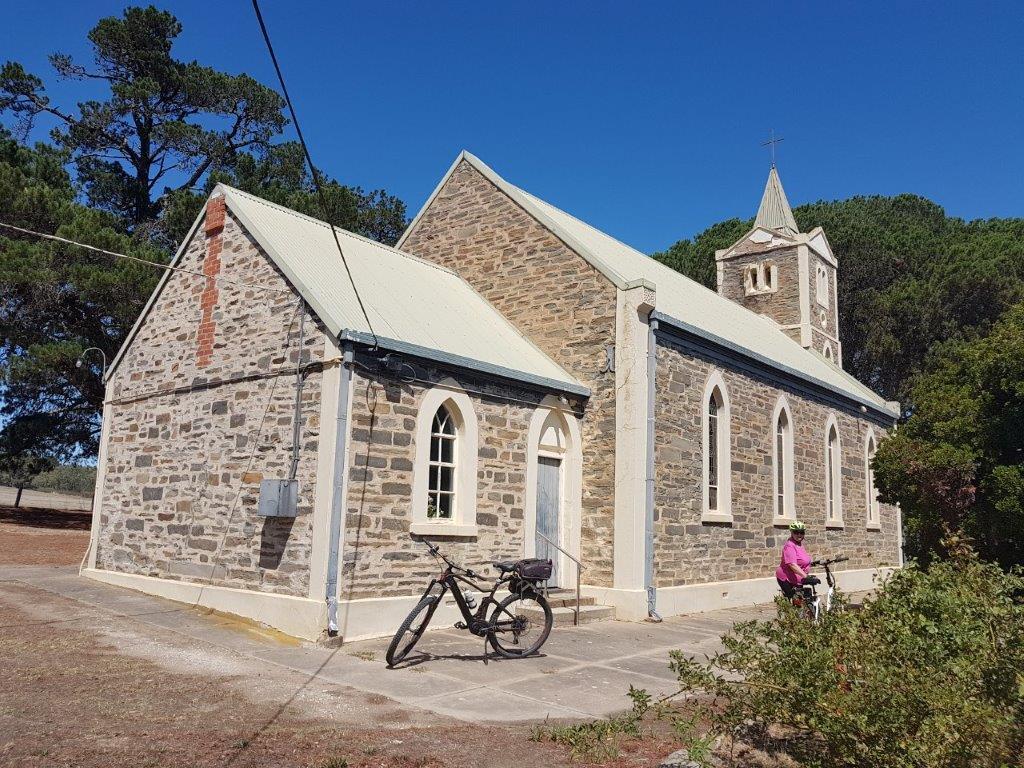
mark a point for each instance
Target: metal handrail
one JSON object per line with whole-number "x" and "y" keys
{"x": 579, "y": 569}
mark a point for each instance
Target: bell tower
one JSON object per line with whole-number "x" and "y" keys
{"x": 786, "y": 275}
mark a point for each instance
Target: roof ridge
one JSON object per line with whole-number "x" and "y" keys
{"x": 312, "y": 220}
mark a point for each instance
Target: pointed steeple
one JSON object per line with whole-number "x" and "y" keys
{"x": 775, "y": 212}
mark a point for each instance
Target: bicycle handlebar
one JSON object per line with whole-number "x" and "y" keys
{"x": 840, "y": 559}
{"x": 436, "y": 552}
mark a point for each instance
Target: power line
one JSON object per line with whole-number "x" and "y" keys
{"x": 157, "y": 264}
{"x": 312, "y": 168}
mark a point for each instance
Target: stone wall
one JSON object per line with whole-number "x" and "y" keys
{"x": 783, "y": 305}
{"x": 380, "y": 558}
{"x": 688, "y": 551}
{"x": 202, "y": 407}
{"x": 553, "y": 296}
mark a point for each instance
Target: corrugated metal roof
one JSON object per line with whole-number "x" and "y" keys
{"x": 416, "y": 307}
{"x": 686, "y": 302}
{"x": 774, "y": 211}
{"x": 418, "y": 304}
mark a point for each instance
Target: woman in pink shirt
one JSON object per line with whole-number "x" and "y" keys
{"x": 795, "y": 564}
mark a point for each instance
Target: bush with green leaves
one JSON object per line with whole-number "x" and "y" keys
{"x": 930, "y": 672}
{"x": 67, "y": 478}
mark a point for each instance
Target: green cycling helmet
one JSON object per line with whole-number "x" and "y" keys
{"x": 798, "y": 527}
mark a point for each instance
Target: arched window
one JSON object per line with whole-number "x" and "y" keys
{"x": 441, "y": 479}
{"x": 833, "y": 475}
{"x": 827, "y": 352}
{"x": 821, "y": 285}
{"x": 714, "y": 468}
{"x": 782, "y": 463}
{"x": 871, "y": 501}
{"x": 717, "y": 505}
{"x": 445, "y": 471}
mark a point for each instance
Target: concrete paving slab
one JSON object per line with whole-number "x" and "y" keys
{"x": 595, "y": 690}
{"x": 491, "y": 705}
{"x": 582, "y": 671}
{"x": 497, "y": 670}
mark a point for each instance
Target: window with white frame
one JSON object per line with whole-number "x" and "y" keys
{"x": 762, "y": 277}
{"x": 833, "y": 475}
{"x": 717, "y": 501}
{"x": 445, "y": 470}
{"x": 441, "y": 479}
{"x": 782, "y": 460}
{"x": 871, "y": 501}
{"x": 821, "y": 285}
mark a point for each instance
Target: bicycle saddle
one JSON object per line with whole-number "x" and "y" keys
{"x": 810, "y": 581}
{"x": 504, "y": 565}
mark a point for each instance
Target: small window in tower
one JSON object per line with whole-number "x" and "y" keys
{"x": 822, "y": 285}
{"x": 759, "y": 278}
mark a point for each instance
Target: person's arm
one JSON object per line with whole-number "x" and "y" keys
{"x": 789, "y": 560}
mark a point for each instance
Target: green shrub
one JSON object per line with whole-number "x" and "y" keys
{"x": 67, "y": 479}
{"x": 930, "y": 672}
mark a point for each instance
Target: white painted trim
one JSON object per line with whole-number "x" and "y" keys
{"x": 631, "y": 604}
{"x": 711, "y": 596}
{"x": 872, "y": 508}
{"x": 463, "y": 522}
{"x": 789, "y": 501}
{"x": 632, "y": 336}
{"x": 299, "y": 617}
{"x": 837, "y": 474}
{"x": 570, "y": 517}
{"x": 804, "y": 267}
{"x": 101, "y": 476}
{"x": 442, "y": 529}
{"x": 723, "y": 514}
{"x": 320, "y": 544}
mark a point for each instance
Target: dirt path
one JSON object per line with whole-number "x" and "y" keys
{"x": 31, "y": 536}
{"x": 83, "y": 689}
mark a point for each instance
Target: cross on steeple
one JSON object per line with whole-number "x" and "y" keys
{"x": 772, "y": 142}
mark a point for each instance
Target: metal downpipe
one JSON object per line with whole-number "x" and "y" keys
{"x": 338, "y": 489}
{"x": 652, "y": 365}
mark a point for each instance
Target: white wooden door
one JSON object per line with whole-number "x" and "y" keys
{"x": 549, "y": 503}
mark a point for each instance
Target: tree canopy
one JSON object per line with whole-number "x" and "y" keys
{"x": 127, "y": 173}
{"x": 957, "y": 462}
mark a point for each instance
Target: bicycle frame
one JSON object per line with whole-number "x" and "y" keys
{"x": 449, "y": 580}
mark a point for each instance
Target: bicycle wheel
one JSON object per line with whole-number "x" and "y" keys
{"x": 411, "y": 630}
{"x": 520, "y": 624}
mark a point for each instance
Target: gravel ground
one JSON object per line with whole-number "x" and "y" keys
{"x": 86, "y": 688}
{"x": 30, "y": 536}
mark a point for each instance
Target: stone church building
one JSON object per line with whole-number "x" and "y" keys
{"x": 274, "y": 444}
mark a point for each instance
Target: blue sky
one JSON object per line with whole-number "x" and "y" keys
{"x": 643, "y": 119}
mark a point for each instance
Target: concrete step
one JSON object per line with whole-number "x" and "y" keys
{"x": 564, "y": 616}
{"x": 564, "y": 598}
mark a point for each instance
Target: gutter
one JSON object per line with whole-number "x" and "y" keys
{"x": 652, "y": 364}
{"x": 446, "y": 358}
{"x": 338, "y": 490}
{"x": 736, "y": 356}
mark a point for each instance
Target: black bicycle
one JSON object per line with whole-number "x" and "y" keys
{"x": 514, "y": 627}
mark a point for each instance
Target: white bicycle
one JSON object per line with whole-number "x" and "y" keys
{"x": 806, "y": 597}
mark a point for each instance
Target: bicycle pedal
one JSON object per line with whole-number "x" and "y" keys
{"x": 460, "y": 625}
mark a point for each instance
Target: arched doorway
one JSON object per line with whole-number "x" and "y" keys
{"x": 553, "y": 492}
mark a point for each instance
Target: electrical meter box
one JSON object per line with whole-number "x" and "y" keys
{"x": 278, "y": 498}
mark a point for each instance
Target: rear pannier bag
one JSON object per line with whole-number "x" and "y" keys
{"x": 533, "y": 569}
